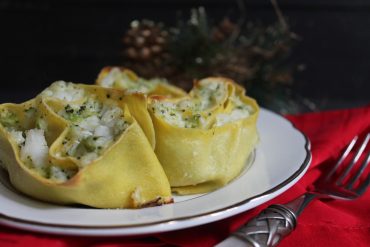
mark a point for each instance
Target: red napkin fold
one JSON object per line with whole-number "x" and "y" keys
{"x": 323, "y": 223}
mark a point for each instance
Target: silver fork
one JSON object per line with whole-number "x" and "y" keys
{"x": 279, "y": 220}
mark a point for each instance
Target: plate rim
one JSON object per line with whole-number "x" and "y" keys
{"x": 31, "y": 225}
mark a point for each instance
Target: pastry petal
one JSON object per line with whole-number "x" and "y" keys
{"x": 201, "y": 158}
{"x": 126, "y": 174}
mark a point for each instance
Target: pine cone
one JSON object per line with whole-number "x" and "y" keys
{"x": 145, "y": 40}
{"x": 145, "y": 48}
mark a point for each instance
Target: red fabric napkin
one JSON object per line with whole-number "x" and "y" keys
{"x": 323, "y": 223}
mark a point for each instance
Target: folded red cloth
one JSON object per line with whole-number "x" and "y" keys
{"x": 323, "y": 223}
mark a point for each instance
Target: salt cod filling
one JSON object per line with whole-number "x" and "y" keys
{"x": 33, "y": 148}
{"x": 239, "y": 111}
{"x": 66, "y": 91}
{"x": 118, "y": 79}
{"x": 95, "y": 126}
{"x": 196, "y": 112}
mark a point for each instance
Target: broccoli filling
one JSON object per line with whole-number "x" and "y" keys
{"x": 9, "y": 119}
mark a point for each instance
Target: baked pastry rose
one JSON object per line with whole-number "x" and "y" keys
{"x": 122, "y": 78}
{"x": 204, "y": 139}
{"x": 83, "y": 144}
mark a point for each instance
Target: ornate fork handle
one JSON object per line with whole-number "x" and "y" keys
{"x": 273, "y": 223}
{"x": 269, "y": 227}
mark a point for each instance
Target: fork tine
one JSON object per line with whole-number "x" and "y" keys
{"x": 344, "y": 155}
{"x": 354, "y": 160}
{"x": 359, "y": 173}
{"x": 363, "y": 186}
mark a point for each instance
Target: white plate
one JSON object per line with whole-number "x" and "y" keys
{"x": 280, "y": 160}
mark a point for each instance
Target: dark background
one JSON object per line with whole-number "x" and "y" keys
{"x": 45, "y": 41}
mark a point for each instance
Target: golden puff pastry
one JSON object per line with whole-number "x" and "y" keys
{"x": 122, "y": 78}
{"x": 204, "y": 139}
{"x": 81, "y": 144}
